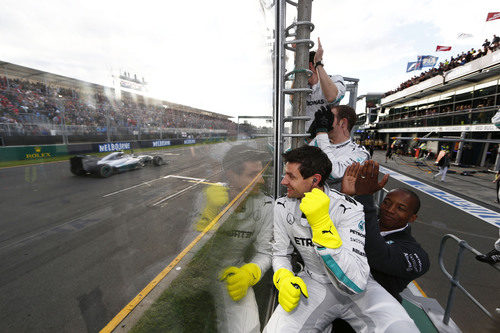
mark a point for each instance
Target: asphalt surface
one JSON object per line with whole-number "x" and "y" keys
{"x": 73, "y": 252}
{"x": 72, "y": 257}
{"x": 437, "y": 218}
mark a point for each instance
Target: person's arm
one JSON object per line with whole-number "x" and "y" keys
{"x": 282, "y": 246}
{"x": 329, "y": 88}
{"x": 347, "y": 265}
{"x": 263, "y": 245}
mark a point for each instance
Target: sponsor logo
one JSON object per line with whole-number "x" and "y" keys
{"x": 319, "y": 101}
{"x": 239, "y": 234}
{"x": 345, "y": 208}
{"x": 114, "y": 146}
{"x": 289, "y": 218}
{"x": 356, "y": 240}
{"x": 361, "y": 225}
{"x": 303, "y": 241}
{"x": 161, "y": 143}
{"x": 390, "y": 242}
{"x": 37, "y": 154}
{"x": 189, "y": 141}
{"x": 357, "y": 233}
{"x": 358, "y": 252}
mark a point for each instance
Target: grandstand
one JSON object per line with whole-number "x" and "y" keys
{"x": 38, "y": 107}
{"x": 455, "y": 101}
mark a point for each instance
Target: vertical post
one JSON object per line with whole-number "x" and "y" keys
{"x": 460, "y": 148}
{"x": 238, "y": 130}
{"x": 301, "y": 61}
{"x": 279, "y": 104}
{"x": 497, "y": 160}
{"x": 454, "y": 282}
{"x": 485, "y": 150}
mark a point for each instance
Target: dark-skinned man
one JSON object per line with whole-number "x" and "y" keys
{"x": 394, "y": 256}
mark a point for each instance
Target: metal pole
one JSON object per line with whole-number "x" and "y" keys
{"x": 238, "y": 130}
{"x": 497, "y": 160}
{"x": 460, "y": 148}
{"x": 485, "y": 151}
{"x": 304, "y": 8}
{"x": 454, "y": 282}
{"x": 279, "y": 105}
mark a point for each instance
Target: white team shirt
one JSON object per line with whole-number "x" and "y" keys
{"x": 341, "y": 155}
{"x": 316, "y": 99}
{"x": 345, "y": 267}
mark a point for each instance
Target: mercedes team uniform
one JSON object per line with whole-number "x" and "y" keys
{"x": 338, "y": 280}
{"x": 244, "y": 238}
{"x": 341, "y": 155}
{"x": 316, "y": 99}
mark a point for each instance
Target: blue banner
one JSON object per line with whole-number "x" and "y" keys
{"x": 161, "y": 143}
{"x": 426, "y": 61}
{"x": 189, "y": 141}
{"x": 114, "y": 146}
{"x": 411, "y": 66}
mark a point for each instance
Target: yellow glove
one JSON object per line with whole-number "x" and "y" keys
{"x": 217, "y": 196}
{"x": 290, "y": 287}
{"x": 239, "y": 279}
{"x": 315, "y": 206}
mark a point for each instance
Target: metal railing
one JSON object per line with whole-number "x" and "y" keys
{"x": 454, "y": 279}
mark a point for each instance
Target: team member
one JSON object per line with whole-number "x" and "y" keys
{"x": 241, "y": 248}
{"x": 326, "y": 89}
{"x": 333, "y": 137}
{"x": 327, "y": 229}
{"x": 394, "y": 256}
{"x": 444, "y": 164}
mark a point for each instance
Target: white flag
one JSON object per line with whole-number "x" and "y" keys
{"x": 464, "y": 35}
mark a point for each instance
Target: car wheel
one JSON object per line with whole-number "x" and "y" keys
{"x": 157, "y": 160}
{"x": 105, "y": 171}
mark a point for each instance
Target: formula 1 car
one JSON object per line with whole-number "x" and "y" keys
{"x": 113, "y": 163}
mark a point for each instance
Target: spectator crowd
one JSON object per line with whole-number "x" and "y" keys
{"x": 447, "y": 65}
{"x": 29, "y": 105}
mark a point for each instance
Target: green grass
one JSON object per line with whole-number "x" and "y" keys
{"x": 6, "y": 164}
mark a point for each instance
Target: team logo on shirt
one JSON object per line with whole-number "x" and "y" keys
{"x": 290, "y": 219}
{"x": 361, "y": 225}
{"x": 345, "y": 208}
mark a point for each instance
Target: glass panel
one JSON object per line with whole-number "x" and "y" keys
{"x": 105, "y": 186}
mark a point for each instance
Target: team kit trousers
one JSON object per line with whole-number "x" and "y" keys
{"x": 373, "y": 310}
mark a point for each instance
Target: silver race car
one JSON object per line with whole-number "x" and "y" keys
{"x": 113, "y": 163}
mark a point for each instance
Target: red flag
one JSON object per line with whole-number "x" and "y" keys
{"x": 443, "y": 48}
{"x": 493, "y": 16}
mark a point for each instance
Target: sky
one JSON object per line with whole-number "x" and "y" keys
{"x": 216, "y": 55}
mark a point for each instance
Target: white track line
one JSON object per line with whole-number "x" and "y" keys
{"x": 153, "y": 180}
{"x": 177, "y": 193}
{"x": 131, "y": 187}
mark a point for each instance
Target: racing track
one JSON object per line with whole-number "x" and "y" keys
{"x": 72, "y": 257}
{"x": 74, "y": 251}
